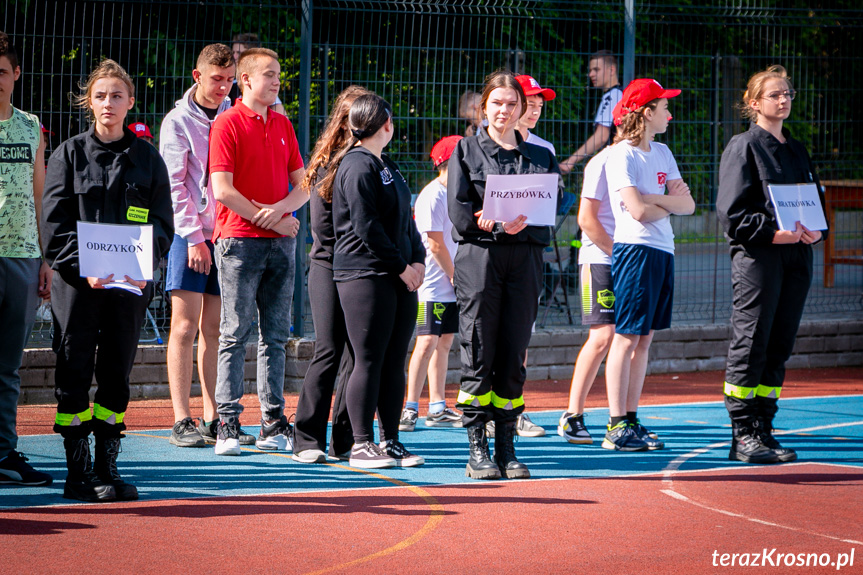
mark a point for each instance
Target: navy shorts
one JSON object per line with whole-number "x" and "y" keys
{"x": 179, "y": 275}
{"x": 643, "y": 280}
{"x": 437, "y": 318}
{"x": 597, "y": 294}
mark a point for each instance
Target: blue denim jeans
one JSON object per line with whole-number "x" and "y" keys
{"x": 19, "y": 286}
{"x": 254, "y": 273}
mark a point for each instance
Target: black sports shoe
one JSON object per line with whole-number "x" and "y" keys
{"x": 210, "y": 433}
{"x": 399, "y": 452}
{"x": 648, "y": 437}
{"x": 14, "y": 470}
{"x": 185, "y": 434}
{"x": 622, "y": 437}
{"x": 367, "y": 455}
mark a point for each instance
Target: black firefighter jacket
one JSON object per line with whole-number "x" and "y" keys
{"x": 86, "y": 181}
{"x": 750, "y": 162}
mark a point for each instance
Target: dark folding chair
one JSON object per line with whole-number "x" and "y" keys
{"x": 566, "y": 204}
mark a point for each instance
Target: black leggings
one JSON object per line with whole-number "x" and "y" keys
{"x": 380, "y": 314}
{"x": 330, "y": 359}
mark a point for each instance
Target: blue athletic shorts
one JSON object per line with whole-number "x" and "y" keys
{"x": 643, "y": 280}
{"x": 180, "y": 276}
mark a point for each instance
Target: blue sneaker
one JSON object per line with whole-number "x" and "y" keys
{"x": 622, "y": 437}
{"x": 648, "y": 437}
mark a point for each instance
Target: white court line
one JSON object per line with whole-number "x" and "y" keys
{"x": 715, "y": 401}
{"x": 674, "y": 466}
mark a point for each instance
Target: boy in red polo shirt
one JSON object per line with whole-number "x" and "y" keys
{"x": 254, "y": 161}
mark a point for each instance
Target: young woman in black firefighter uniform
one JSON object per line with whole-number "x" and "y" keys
{"x": 771, "y": 270}
{"x": 498, "y": 277}
{"x": 105, "y": 175}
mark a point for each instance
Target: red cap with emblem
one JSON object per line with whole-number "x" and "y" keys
{"x": 637, "y": 94}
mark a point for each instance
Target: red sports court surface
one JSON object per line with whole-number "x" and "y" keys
{"x": 590, "y": 510}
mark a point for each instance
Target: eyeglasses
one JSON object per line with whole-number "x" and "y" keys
{"x": 777, "y": 96}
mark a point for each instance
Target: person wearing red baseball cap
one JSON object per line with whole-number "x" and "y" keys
{"x": 639, "y": 171}
{"x": 602, "y": 72}
{"x": 437, "y": 317}
{"x": 537, "y": 96}
{"x": 771, "y": 269}
{"x": 141, "y": 130}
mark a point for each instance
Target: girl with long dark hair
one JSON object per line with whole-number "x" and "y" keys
{"x": 378, "y": 264}
{"x": 313, "y": 408}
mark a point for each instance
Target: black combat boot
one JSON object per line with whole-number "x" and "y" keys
{"x": 480, "y": 465}
{"x": 765, "y": 433}
{"x": 504, "y": 451}
{"x": 107, "y": 450}
{"x": 746, "y": 445}
{"x": 82, "y": 483}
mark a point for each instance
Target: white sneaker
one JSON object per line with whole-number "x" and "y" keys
{"x": 228, "y": 439}
{"x": 526, "y": 428}
{"x": 310, "y": 456}
{"x": 275, "y": 436}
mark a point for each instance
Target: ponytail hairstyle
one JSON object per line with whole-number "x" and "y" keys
{"x": 368, "y": 114}
{"x": 336, "y": 133}
{"x": 632, "y": 124}
{"x": 755, "y": 89}
{"x": 107, "y": 68}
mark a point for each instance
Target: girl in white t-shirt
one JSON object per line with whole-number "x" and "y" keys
{"x": 638, "y": 171}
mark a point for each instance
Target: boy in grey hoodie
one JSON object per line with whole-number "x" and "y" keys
{"x": 191, "y": 274}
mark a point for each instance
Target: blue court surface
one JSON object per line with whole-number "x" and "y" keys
{"x": 822, "y": 430}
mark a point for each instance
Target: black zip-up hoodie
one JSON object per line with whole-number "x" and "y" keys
{"x": 375, "y": 233}
{"x": 87, "y": 181}
{"x": 750, "y": 162}
{"x": 472, "y": 161}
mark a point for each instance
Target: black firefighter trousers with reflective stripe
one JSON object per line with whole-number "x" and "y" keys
{"x": 497, "y": 290}
{"x": 770, "y": 284}
{"x": 86, "y": 319}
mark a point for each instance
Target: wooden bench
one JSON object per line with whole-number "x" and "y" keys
{"x": 840, "y": 194}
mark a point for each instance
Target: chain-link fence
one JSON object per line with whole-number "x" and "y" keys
{"x": 424, "y": 55}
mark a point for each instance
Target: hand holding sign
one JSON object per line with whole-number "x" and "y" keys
{"x": 106, "y": 251}
{"x": 529, "y": 196}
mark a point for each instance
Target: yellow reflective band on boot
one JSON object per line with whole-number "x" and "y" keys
{"x": 72, "y": 419}
{"x": 464, "y": 398}
{"x": 107, "y": 415}
{"x": 771, "y": 392}
{"x": 504, "y": 403}
{"x": 739, "y": 392}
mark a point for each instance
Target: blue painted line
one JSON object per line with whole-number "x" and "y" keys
{"x": 163, "y": 471}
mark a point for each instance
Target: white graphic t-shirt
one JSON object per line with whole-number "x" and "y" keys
{"x": 431, "y": 215}
{"x": 628, "y": 165}
{"x": 606, "y": 107}
{"x": 596, "y": 188}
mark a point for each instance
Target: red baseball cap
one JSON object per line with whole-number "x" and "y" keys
{"x": 532, "y": 87}
{"x": 46, "y": 130}
{"x": 637, "y": 94}
{"x": 140, "y": 129}
{"x": 441, "y": 151}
